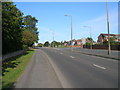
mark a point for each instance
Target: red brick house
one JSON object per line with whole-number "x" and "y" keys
{"x": 103, "y": 37}
{"x": 79, "y": 42}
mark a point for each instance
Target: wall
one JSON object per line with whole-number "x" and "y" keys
{"x": 7, "y": 56}
{"x": 113, "y": 47}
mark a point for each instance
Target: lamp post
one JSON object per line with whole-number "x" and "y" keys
{"x": 53, "y": 39}
{"x": 71, "y": 28}
{"x": 90, "y": 35}
{"x": 109, "y": 48}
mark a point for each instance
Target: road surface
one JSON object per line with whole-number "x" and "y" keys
{"x": 58, "y": 68}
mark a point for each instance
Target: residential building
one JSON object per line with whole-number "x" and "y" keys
{"x": 78, "y": 42}
{"x": 103, "y": 37}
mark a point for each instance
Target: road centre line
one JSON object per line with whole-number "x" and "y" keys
{"x": 72, "y": 57}
{"x": 98, "y": 66}
{"x": 56, "y": 48}
{"x": 61, "y": 53}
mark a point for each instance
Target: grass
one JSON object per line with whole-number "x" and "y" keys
{"x": 13, "y": 68}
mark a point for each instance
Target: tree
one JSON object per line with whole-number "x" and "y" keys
{"x": 30, "y": 34}
{"x": 88, "y": 43}
{"x": 40, "y": 45}
{"x": 89, "y": 38}
{"x": 11, "y": 27}
{"x": 55, "y": 44}
{"x": 30, "y": 23}
{"x": 28, "y": 38}
{"x": 46, "y": 44}
{"x": 18, "y": 32}
{"x": 112, "y": 41}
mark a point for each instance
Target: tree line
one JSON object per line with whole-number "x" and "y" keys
{"x": 18, "y": 31}
{"x": 52, "y": 44}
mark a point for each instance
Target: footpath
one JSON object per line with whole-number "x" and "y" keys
{"x": 96, "y": 52}
{"x": 39, "y": 73}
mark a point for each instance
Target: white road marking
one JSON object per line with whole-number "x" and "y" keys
{"x": 98, "y": 66}
{"x": 57, "y": 49}
{"x": 72, "y": 57}
{"x": 61, "y": 53}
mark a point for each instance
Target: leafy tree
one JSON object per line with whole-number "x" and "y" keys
{"x": 46, "y": 44}
{"x": 28, "y": 38}
{"x": 112, "y": 41}
{"x": 55, "y": 44}
{"x": 30, "y": 34}
{"x": 87, "y": 43}
{"x": 62, "y": 43}
{"x": 40, "y": 45}
{"x": 89, "y": 38}
{"x": 30, "y": 23}
{"x": 11, "y": 27}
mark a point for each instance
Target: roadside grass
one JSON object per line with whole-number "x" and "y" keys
{"x": 13, "y": 68}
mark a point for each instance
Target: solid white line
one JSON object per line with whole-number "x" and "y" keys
{"x": 72, "y": 57}
{"x": 98, "y": 66}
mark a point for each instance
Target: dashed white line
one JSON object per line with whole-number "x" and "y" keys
{"x": 57, "y": 49}
{"x": 61, "y": 53}
{"x": 99, "y": 66}
{"x": 72, "y": 57}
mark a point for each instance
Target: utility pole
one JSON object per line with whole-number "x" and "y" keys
{"x": 71, "y": 31}
{"x": 53, "y": 39}
{"x": 90, "y": 35}
{"x": 108, "y": 27}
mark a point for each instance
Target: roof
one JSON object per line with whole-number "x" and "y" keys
{"x": 79, "y": 40}
{"x": 110, "y": 34}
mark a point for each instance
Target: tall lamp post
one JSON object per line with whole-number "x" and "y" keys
{"x": 71, "y": 28}
{"x": 53, "y": 39}
{"x": 109, "y": 48}
{"x": 90, "y": 35}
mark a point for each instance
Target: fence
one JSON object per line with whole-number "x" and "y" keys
{"x": 113, "y": 47}
{"x": 7, "y": 56}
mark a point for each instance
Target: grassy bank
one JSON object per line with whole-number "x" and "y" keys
{"x": 12, "y": 69}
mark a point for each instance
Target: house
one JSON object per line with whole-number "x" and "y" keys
{"x": 65, "y": 43}
{"x": 79, "y": 42}
{"x": 88, "y": 41}
{"x": 103, "y": 37}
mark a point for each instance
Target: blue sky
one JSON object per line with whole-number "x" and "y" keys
{"x": 51, "y": 18}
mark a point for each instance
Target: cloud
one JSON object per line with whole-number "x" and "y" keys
{"x": 46, "y": 34}
{"x": 99, "y": 25}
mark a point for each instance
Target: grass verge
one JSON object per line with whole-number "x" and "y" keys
{"x": 13, "y": 68}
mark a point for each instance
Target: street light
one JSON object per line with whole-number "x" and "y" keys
{"x": 53, "y": 38}
{"x": 90, "y": 35}
{"x": 109, "y": 48}
{"x": 71, "y": 28}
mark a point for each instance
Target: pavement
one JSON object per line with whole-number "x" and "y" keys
{"x": 39, "y": 73}
{"x": 61, "y": 68}
{"x": 96, "y": 52}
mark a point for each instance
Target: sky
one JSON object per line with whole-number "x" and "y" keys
{"x": 51, "y": 19}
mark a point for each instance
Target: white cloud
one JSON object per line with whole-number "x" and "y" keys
{"x": 46, "y": 34}
{"x": 99, "y": 25}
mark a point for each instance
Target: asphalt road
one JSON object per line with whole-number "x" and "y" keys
{"x": 113, "y": 54}
{"x": 69, "y": 70}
